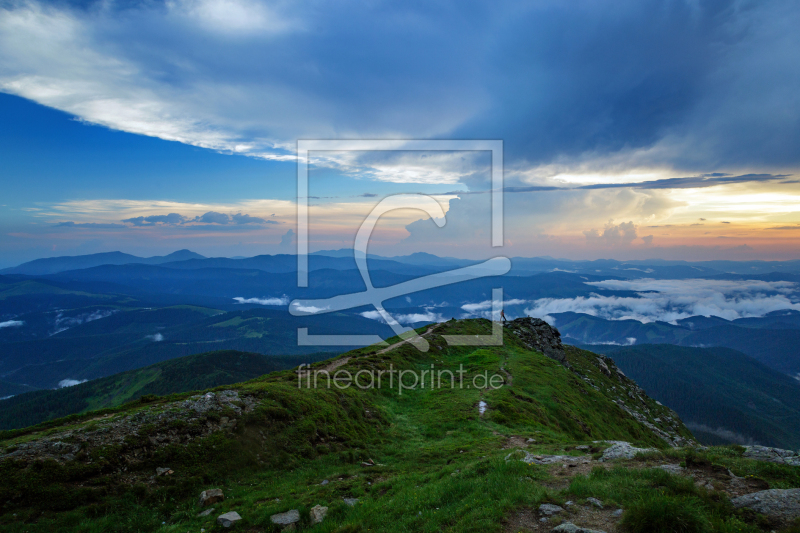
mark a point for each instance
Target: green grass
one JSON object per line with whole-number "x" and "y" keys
{"x": 442, "y": 466}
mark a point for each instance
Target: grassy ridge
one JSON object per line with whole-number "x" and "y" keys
{"x": 194, "y": 372}
{"x": 440, "y": 465}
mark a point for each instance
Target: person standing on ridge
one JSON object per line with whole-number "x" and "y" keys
{"x": 503, "y": 316}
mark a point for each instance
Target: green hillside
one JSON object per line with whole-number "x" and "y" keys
{"x": 722, "y": 394}
{"x": 194, "y": 372}
{"x": 426, "y": 459}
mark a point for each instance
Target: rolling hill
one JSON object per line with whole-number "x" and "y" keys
{"x": 194, "y": 372}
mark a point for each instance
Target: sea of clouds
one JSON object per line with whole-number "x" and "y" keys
{"x": 671, "y": 300}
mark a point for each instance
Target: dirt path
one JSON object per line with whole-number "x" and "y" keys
{"x": 395, "y": 345}
{"x": 336, "y": 363}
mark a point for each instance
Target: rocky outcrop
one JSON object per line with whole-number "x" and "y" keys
{"x": 317, "y": 514}
{"x": 780, "y": 505}
{"x": 538, "y": 335}
{"x": 140, "y": 433}
{"x": 772, "y": 455}
{"x": 623, "y": 450}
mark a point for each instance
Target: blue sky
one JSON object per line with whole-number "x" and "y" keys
{"x": 116, "y": 111}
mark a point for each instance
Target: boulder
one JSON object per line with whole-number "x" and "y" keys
{"x": 594, "y": 501}
{"x": 318, "y": 513}
{"x": 206, "y": 512}
{"x": 287, "y": 518}
{"x": 782, "y": 505}
{"x": 228, "y": 519}
{"x": 772, "y": 455}
{"x": 623, "y": 450}
{"x": 207, "y": 497}
{"x": 548, "y": 509}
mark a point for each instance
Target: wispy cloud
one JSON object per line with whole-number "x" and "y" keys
{"x": 11, "y": 324}
{"x": 284, "y": 300}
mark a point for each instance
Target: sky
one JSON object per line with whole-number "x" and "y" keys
{"x": 630, "y": 129}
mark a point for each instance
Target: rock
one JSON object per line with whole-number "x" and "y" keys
{"x": 548, "y": 509}
{"x": 594, "y": 501}
{"x": 317, "y": 514}
{"x": 782, "y": 505}
{"x": 672, "y": 469}
{"x": 617, "y": 513}
{"x": 206, "y": 512}
{"x": 538, "y": 335}
{"x": 164, "y": 472}
{"x": 350, "y": 501}
{"x": 228, "y": 519}
{"x": 284, "y": 519}
{"x": 623, "y": 450}
{"x": 772, "y": 455}
{"x": 324, "y": 482}
{"x": 207, "y": 497}
{"x": 568, "y": 527}
{"x": 530, "y": 458}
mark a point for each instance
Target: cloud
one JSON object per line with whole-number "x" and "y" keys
{"x": 671, "y": 300}
{"x": 152, "y": 220}
{"x": 284, "y": 300}
{"x": 207, "y": 218}
{"x": 411, "y": 318}
{"x": 156, "y": 337}
{"x": 622, "y": 234}
{"x": 600, "y": 84}
{"x": 88, "y": 225}
{"x": 70, "y": 382}
{"x": 487, "y": 304}
{"x": 63, "y": 323}
{"x": 11, "y": 324}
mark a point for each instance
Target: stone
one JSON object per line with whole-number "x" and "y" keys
{"x": 772, "y": 455}
{"x": 228, "y": 519}
{"x": 207, "y": 497}
{"x": 284, "y": 519}
{"x": 324, "y": 482}
{"x": 623, "y": 450}
{"x": 350, "y": 501}
{"x": 594, "y": 501}
{"x": 548, "y": 509}
{"x": 782, "y": 505}
{"x": 672, "y": 469}
{"x": 164, "y": 472}
{"x": 206, "y": 512}
{"x": 568, "y": 527}
{"x": 617, "y": 513}
{"x": 530, "y": 458}
{"x": 317, "y": 514}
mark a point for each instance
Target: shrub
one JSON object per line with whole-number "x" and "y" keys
{"x": 658, "y": 513}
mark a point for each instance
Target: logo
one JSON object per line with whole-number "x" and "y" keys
{"x": 376, "y": 296}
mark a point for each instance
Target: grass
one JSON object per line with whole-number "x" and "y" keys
{"x": 442, "y": 466}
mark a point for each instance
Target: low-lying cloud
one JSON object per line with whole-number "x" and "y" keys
{"x": 411, "y": 318}
{"x": 63, "y": 323}
{"x": 672, "y": 300}
{"x": 70, "y": 382}
{"x": 11, "y": 324}
{"x": 156, "y": 337}
{"x": 283, "y": 300}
